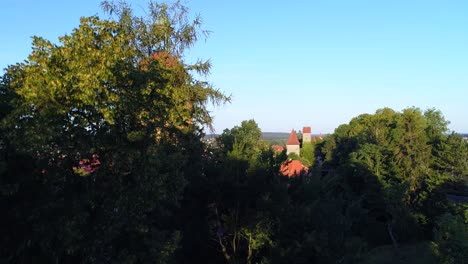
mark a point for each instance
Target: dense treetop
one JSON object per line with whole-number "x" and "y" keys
{"x": 102, "y": 160}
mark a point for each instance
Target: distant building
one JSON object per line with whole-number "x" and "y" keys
{"x": 293, "y": 168}
{"x": 320, "y": 137}
{"x": 293, "y": 146}
{"x": 277, "y": 148}
{"x": 306, "y": 134}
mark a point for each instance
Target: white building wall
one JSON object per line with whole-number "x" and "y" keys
{"x": 293, "y": 149}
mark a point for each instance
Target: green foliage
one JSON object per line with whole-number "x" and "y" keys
{"x": 101, "y": 161}
{"x": 293, "y": 156}
{"x": 119, "y": 89}
{"x": 242, "y": 141}
{"x": 451, "y": 157}
{"x": 419, "y": 253}
{"x": 381, "y": 193}
{"x": 308, "y": 153}
{"x": 400, "y": 164}
{"x": 245, "y": 185}
{"x": 451, "y": 236}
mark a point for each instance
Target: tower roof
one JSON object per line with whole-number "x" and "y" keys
{"x": 292, "y": 168}
{"x": 292, "y": 140}
{"x": 307, "y": 130}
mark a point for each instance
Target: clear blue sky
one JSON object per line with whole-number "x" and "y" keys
{"x": 288, "y": 64}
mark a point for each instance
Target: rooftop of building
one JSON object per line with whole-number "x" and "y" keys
{"x": 293, "y": 140}
{"x": 292, "y": 168}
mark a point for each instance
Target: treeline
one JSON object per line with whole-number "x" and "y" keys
{"x": 102, "y": 160}
{"x": 400, "y": 166}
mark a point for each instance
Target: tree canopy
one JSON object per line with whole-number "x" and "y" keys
{"x": 98, "y": 139}
{"x": 103, "y": 159}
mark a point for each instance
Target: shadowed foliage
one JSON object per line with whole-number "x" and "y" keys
{"x": 103, "y": 159}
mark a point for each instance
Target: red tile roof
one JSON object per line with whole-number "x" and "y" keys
{"x": 292, "y": 140}
{"x": 277, "y": 148}
{"x": 307, "y": 130}
{"x": 292, "y": 168}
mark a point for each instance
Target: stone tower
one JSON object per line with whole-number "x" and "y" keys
{"x": 306, "y": 136}
{"x": 292, "y": 146}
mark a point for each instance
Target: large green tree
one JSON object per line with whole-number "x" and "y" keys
{"x": 244, "y": 187}
{"x": 402, "y": 164}
{"x": 100, "y": 135}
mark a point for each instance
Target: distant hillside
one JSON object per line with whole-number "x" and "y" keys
{"x": 275, "y": 135}
{"x": 265, "y": 135}
{"x": 277, "y": 138}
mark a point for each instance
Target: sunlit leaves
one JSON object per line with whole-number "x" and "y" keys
{"x": 120, "y": 88}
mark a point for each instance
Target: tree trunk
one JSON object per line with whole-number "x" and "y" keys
{"x": 390, "y": 232}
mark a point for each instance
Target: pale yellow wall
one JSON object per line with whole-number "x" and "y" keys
{"x": 293, "y": 149}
